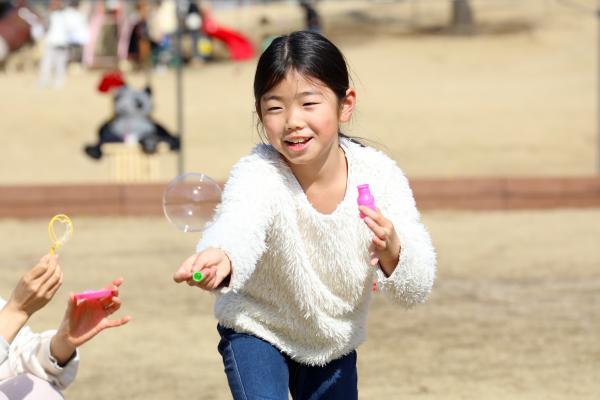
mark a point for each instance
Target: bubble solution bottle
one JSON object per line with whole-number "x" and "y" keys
{"x": 365, "y": 198}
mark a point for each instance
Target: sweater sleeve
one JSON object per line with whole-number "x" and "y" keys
{"x": 240, "y": 225}
{"x": 412, "y": 280}
{"x": 30, "y": 353}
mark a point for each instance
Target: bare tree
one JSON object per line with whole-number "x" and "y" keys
{"x": 462, "y": 20}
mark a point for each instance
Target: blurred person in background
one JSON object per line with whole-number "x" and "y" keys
{"x": 163, "y": 30}
{"x": 66, "y": 27}
{"x": 78, "y": 31}
{"x": 39, "y": 365}
{"x": 141, "y": 44}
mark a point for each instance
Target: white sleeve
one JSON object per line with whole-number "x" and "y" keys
{"x": 242, "y": 219}
{"x": 30, "y": 353}
{"x": 412, "y": 280}
{"x": 4, "y": 346}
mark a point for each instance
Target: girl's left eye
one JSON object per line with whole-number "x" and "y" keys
{"x": 310, "y": 104}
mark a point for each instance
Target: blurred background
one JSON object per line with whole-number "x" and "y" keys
{"x": 130, "y": 92}
{"x": 509, "y": 91}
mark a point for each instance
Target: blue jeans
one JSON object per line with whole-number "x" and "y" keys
{"x": 256, "y": 370}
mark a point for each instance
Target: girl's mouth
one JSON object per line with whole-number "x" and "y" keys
{"x": 297, "y": 144}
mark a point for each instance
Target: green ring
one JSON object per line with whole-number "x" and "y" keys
{"x": 197, "y": 276}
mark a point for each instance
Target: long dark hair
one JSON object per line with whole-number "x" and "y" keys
{"x": 310, "y": 54}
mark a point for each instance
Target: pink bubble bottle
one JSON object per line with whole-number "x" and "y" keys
{"x": 365, "y": 198}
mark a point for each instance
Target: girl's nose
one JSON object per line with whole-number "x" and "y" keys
{"x": 293, "y": 122}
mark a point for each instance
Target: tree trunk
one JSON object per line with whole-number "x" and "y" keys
{"x": 462, "y": 17}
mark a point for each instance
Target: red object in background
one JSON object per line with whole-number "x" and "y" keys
{"x": 240, "y": 48}
{"x": 110, "y": 80}
{"x": 14, "y": 30}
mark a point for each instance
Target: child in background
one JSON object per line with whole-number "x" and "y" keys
{"x": 51, "y": 356}
{"x": 287, "y": 255}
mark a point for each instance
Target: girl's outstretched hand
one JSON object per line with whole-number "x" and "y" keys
{"x": 214, "y": 265}
{"x": 84, "y": 320}
{"x": 385, "y": 246}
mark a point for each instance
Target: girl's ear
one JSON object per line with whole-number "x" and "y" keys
{"x": 257, "y": 108}
{"x": 347, "y": 105}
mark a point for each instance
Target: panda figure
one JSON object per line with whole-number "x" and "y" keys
{"x": 132, "y": 124}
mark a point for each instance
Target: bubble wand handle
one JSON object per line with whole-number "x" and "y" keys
{"x": 197, "y": 276}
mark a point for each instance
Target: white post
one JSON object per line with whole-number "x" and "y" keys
{"x": 598, "y": 94}
{"x": 181, "y": 9}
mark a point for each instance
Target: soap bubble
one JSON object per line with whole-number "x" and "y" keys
{"x": 190, "y": 200}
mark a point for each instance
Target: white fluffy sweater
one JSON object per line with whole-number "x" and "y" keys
{"x": 301, "y": 280}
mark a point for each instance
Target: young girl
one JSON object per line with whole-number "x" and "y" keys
{"x": 287, "y": 254}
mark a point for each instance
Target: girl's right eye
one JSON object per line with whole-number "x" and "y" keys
{"x": 274, "y": 108}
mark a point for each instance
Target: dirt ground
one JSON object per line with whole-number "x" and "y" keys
{"x": 514, "y": 313}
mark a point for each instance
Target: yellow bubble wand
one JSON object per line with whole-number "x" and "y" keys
{"x": 65, "y": 227}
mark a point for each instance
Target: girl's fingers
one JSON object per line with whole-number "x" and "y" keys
{"x": 185, "y": 270}
{"x": 375, "y": 228}
{"x": 208, "y": 276}
{"x": 183, "y": 274}
{"x": 379, "y": 244}
{"x": 205, "y": 262}
{"x": 209, "y": 281}
{"x": 373, "y": 254}
{"x": 373, "y": 214}
{"x": 367, "y": 211}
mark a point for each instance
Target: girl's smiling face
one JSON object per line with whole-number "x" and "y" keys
{"x": 301, "y": 118}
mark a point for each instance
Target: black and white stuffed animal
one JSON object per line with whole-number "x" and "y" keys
{"x": 132, "y": 123}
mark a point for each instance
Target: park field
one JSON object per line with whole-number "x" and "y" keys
{"x": 515, "y": 310}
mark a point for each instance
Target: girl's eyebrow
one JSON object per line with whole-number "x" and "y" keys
{"x": 272, "y": 97}
{"x": 309, "y": 93}
{"x": 302, "y": 94}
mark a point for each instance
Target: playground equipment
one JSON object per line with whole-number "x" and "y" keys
{"x": 15, "y": 28}
{"x": 240, "y": 48}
